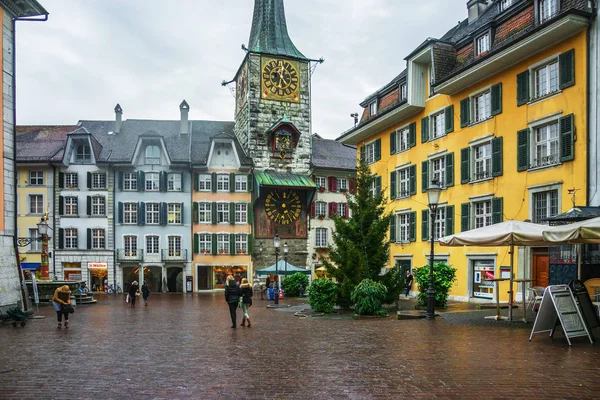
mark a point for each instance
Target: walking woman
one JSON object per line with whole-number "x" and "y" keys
{"x": 246, "y": 300}
{"x": 145, "y": 293}
{"x": 62, "y": 296}
{"x": 232, "y": 297}
{"x": 133, "y": 292}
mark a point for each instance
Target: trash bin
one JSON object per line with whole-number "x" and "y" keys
{"x": 188, "y": 283}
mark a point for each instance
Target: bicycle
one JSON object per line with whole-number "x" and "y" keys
{"x": 111, "y": 289}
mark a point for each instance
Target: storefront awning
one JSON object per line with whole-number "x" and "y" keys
{"x": 30, "y": 265}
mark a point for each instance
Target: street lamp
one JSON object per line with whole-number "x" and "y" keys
{"x": 276, "y": 244}
{"x": 433, "y": 196}
{"x": 285, "y": 255}
{"x": 44, "y": 238}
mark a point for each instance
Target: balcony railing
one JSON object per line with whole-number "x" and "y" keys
{"x": 544, "y": 161}
{"x": 130, "y": 255}
{"x": 174, "y": 255}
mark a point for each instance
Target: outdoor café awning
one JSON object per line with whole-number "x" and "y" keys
{"x": 282, "y": 269}
{"x": 30, "y": 265}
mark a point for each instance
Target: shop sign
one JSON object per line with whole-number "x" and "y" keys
{"x": 97, "y": 265}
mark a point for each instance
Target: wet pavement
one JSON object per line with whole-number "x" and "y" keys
{"x": 182, "y": 347}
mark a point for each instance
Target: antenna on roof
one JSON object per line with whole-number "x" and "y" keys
{"x": 355, "y": 116}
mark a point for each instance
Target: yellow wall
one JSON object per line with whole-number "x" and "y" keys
{"x": 512, "y": 185}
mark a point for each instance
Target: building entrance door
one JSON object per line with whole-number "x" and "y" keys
{"x": 540, "y": 268}
{"x": 203, "y": 277}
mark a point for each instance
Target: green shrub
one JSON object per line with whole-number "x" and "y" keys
{"x": 368, "y": 296}
{"x": 322, "y": 295}
{"x": 291, "y": 284}
{"x": 444, "y": 277}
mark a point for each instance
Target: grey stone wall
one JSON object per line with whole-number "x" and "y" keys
{"x": 297, "y": 254}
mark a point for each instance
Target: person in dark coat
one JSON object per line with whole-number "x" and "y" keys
{"x": 133, "y": 292}
{"x": 246, "y": 289}
{"x": 408, "y": 281}
{"x": 145, "y": 293}
{"x": 232, "y": 297}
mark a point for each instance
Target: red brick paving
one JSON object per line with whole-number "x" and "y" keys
{"x": 182, "y": 347}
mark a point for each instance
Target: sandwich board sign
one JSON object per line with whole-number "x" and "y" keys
{"x": 558, "y": 305}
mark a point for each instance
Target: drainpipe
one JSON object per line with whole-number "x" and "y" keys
{"x": 14, "y": 125}
{"x": 589, "y": 109}
{"x": 54, "y": 224}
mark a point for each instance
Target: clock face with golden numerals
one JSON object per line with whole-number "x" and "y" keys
{"x": 283, "y": 206}
{"x": 280, "y": 80}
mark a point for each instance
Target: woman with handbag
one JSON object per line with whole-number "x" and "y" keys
{"x": 133, "y": 293}
{"x": 232, "y": 297}
{"x": 246, "y": 301}
{"x": 62, "y": 298}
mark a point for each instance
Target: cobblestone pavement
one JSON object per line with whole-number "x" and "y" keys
{"x": 182, "y": 347}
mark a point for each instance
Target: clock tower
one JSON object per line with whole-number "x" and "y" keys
{"x": 273, "y": 126}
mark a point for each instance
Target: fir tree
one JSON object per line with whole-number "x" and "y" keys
{"x": 360, "y": 247}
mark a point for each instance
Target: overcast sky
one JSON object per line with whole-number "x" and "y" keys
{"x": 148, "y": 55}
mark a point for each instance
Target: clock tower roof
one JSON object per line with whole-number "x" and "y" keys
{"x": 269, "y": 30}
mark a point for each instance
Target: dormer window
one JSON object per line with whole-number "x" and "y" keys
{"x": 373, "y": 108}
{"x": 152, "y": 155}
{"x": 403, "y": 92}
{"x": 547, "y": 9}
{"x": 505, "y": 4}
{"x": 483, "y": 44}
{"x": 83, "y": 153}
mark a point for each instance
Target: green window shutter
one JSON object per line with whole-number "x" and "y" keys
{"x": 141, "y": 181}
{"x": 61, "y": 205}
{"x": 363, "y": 154}
{"x": 465, "y": 217}
{"x": 412, "y": 134}
{"x": 566, "y": 69}
{"x": 465, "y": 164}
{"x": 88, "y": 206}
{"x": 89, "y": 238}
{"x": 392, "y": 185}
{"x": 196, "y": 180}
{"x": 449, "y": 221}
{"x": 378, "y": 150}
{"x": 250, "y": 214}
{"x": 393, "y": 228}
{"x": 120, "y": 213}
{"x": 213, "y": 210}
{"x": 412, "y": 172}
{"x": 213, "y": 243}
{"x": 61, "y": 238}
{"x": 425, "y": 225}
{"x": 497, "y": 156}
{"x": 497, "y": 210}
{"x": 449, "y": 118}
{"x": 412, "y": 229}
{"x": 567, "y": 138}
{"x": 449, "y": 169}
{"x": 250, "y": 182}
{"x": 196, "y": 244}
{"x": 250, "y": 244}
{"x": 523, "y": 88}
{"x": 496, "y": 94}
{"x": 61, "y": 180}
{"x": 424, "y": 176}
{"x": 232, "y": 213}
{"x": 89, "y": 180}
{"x": 523, "y": 150}
{"x": 378, "y": 186}
{"x": 424, "y": 129}
{"x": 232, "y": 243}
{"x": 213, "y": 182}
{"x": 119, "y": 179}
{"x": 393, "y": 142}
{"x": 162, "y": 181}
{"x": 195, "y": 211}
{"x": 232, "y": 182}
{"x": 465, "y": 118}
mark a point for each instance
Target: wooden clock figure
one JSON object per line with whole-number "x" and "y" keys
{"x": 280, "y": 80}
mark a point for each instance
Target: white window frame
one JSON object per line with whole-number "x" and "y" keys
{"x": 373, "y": 108}
{"x": 403, "y": 90}
{"x": 98, "y": 238}
{"x": 533, "y": 143}
{"x": 223, "y": 183}
{"x": 437, "y": 125}
{"x": 241, "y": 213}
{"x": 403, "y": 227}
{"x": 71, "y": 180}
{"x": 71, "y": 241}
{"x": 505, "y": 4}
{"x": 403, "y": 185}
{"x": 204, "y": 182}
{"x": 174, "y": 216}
{"x": 223, "y": 216}
{"x": 98, "y": 206}
{"x": 130, "y": 210}
{"x": 35, "y": 204}
{"x": 439, "y": 225}
{"x": 435, "y": 170}
{"x": 130, "y": 181}
{"x": 321, "y": 182}
{"x": 547, "y": 9}
{"x": 482, "y": 213}
{"x": 130, "y": 245}
{"x": 98, "y": 180}
{"x": 321, "y": 209}
{"x": 241, "y": 183}
{"x": 341, "y": 210}
{"x": 36, "y": 178}
{"x": 71, "y": 206}
{"x": 370, "y": 152}
{"x": 35, "y": 245}
{"x": 152, "y": 181}
{"x": 223, "y": 243}
{"x": 204, "y": 210}
{"x": 485, "y": 161}
{"x": 403, "y": 139}
{"x": 174, "y": 182}
{"x": 550, "y": 70}
{"x": 481, "y": 108}
{"x": 205, "y": 243}
{"x": 152, "y": 245}
{"x": 152, "y": 155}
{"x": 321, "y": 238}
{"x": 554, "y": 186}
{"x": 174, "y": 245}
{"x": 241, "y": 243}
{"x": 342, "y": 184}
{"x": 83, "y": 153}
{"x": 152, "y": 213}
{"x": 482, "y": 43}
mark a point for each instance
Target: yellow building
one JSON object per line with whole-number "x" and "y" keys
{"x": 495, "y": 111}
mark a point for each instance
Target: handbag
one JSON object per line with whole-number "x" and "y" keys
{"x": 127, "y": 299}
{"x": 137, "y": 294}
{"x": 67, "y": 309}
{"x": 240, "y": 302}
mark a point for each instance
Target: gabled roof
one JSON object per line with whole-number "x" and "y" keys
{"x": 204, "y": 132}
{"x": 41, "y": 143}
{"x": 269, "y": 30}
{"x": 330, "y": 154}
{"x": 23, "y": 8}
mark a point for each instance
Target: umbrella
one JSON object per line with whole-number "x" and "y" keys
{"x": 282, "y": 269}
{"x": 508, "y": 233}
{"x": 582, "y": 232}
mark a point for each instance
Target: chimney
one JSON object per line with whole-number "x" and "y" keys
{"x": 118, "y": 115}
{"x": 185, "y": 125}
{"x": 476, "y": 7}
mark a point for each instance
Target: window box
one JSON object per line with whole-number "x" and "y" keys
{"x": 321, "y": 217}
{"x": 241, "y": 251}
{"x": 223, "y": 252}
{"x": 204, "y": 251}
{"x": 321, "y": 189}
